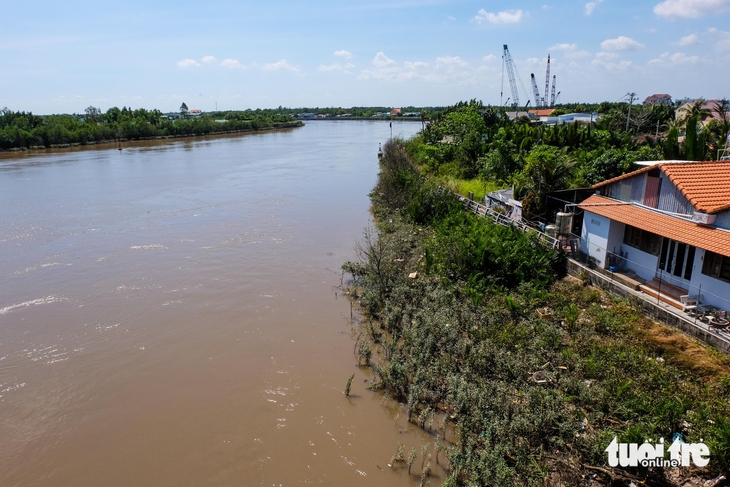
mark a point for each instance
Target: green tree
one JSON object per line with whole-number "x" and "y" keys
{"x": 547, "y": 169}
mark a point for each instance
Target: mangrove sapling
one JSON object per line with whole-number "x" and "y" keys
{"x": 411, "y": 458}
{"x": 398, "y": 456}
{"x": 424, "y": 452}
{"x": 425, "y": 474}
{"x": 349, "y": 384}
{"x": 363, "y": 352}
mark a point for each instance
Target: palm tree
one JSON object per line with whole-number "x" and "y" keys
{"x": 547, "y": 169}
{"x": 722, "y": 116}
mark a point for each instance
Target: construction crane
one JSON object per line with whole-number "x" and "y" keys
{"x": 507, "y": 61}
{"x": 535, "y": 91}
{"x": 547, "y": 83}
{"x": 552, "y": 94}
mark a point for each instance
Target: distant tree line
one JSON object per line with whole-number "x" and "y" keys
{"x": 26, "y": 130}
{"x": 360, "y": 112}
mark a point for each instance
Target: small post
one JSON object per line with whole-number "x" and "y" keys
{"x": 699, "y": 292}
{"x": 660, "y": 287}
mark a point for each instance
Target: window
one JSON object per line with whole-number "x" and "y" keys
{"x": 641, "y": 239}
{"x": 716, "y": 265}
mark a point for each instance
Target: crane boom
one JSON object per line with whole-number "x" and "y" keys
{"x": 552, "y": 94}
{"x": 535, "y": 91}
{"x": 511, "y": 75}
{"x": 547, "y": 83}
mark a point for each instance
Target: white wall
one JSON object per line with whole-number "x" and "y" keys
{"x": 643, "y": 264}
{"x": 615, "y": 239}
{"x": 594, "y": 236}
{"x": 719, "y": 289}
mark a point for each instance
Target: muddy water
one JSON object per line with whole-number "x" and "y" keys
{"x": 169, "y": 316}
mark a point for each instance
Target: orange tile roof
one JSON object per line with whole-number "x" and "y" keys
{"x": 705, "y": 184}
{"x": 542, "y": 112}
{"x": 708, "y": 238}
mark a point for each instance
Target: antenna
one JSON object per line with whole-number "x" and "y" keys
{"x": 501, "y": 91}
{"x": 631, "y": 96}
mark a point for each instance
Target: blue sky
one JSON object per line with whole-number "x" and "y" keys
{"x": 59, "y": 56}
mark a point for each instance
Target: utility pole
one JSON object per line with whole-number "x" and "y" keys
{"x": 631, "y": 102}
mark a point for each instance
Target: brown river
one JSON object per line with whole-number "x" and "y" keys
{"x": 170, "y": 314}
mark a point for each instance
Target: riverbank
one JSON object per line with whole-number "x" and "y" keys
{"x": 474, "y": 323}
{"x": 115, "y": 142}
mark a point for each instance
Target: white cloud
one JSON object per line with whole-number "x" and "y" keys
{"x": 591, "y": 6}
{"x": 687, "y": 40}
{"x": 722, "y": 40}
{"x": 208, "y": 59}
{"x": 489, "y": 57}
{"x": 606, "y": 55}
{"x": 231, "y": 63}
{"x": 612, "y": 66}
{"x": 564, "y": 47}
{"x": 188, "y": 63}
{"x": 621, "y": 43}
{"x": 691, "y": 9}
{"x": 382, "y": 61}
{"x": 414, "y": 65}
{"x": 445, "y": 69}
{"x": 279, "y": 65}
{"x": 344, "y": 54}
{"x": 673, "y": 59}
{"x": 505, "y": 17}
{"x": 569, "y": 50}
{"x": 345, "y": 68}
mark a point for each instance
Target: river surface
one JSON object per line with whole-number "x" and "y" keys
{"x": 170, "y": 314}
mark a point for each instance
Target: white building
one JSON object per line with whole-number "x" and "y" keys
{"x": 670, "y": 224}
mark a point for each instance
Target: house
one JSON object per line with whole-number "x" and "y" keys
{"x": 658, "y": 99}
{"x": 395, "y": 112}
{"x": 195, "y": 113}
{"x": 541, "y": 112}
{"x": 670, "y": 224}
{"x": 710, "y": 106}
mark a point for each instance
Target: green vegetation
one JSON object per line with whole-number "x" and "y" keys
{"x": 531, "y": 401}
{"x": 471, "y": 147}
{"x": 24, "y": 130}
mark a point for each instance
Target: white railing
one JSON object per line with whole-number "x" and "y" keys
{"x": 502, "y": 219}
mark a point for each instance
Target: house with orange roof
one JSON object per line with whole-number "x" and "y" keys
{"x": 669, "y": 223}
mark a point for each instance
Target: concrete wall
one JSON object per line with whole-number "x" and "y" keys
{"x": 650, "y": 309}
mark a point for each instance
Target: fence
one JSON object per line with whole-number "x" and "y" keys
{"x": 625, "y": 264}
{"x": 501, "y": 219}
{"x": 653, "y": 307}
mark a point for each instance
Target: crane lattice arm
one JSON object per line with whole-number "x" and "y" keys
{"x": 552, "y": 94}
{"x": 535, "y": 91}
{"x": 511, "y": 74}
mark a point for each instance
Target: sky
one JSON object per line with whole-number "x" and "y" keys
{"x": 61, "y": 57}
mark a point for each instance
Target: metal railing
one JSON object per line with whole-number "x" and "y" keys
{"x": 502, "y": 219}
